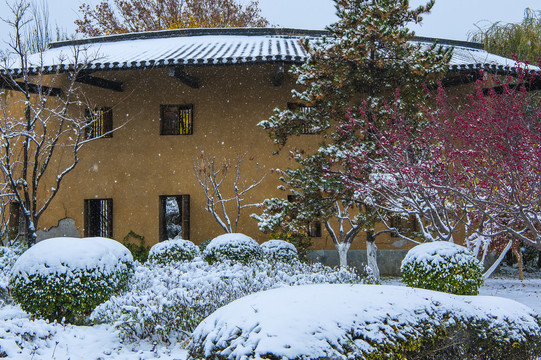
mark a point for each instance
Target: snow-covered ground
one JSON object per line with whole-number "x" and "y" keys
{"x": 24, "y": 338}
{"x": 527, "y": 292}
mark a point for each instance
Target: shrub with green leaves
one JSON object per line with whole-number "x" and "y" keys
{"x": 8, "y": 256}
{"x": 64, "y": 279}
{"x": 165, "y": 303}
{"x": 280, "y": 250}
{"x": 138, "y": 251}
{"x": 235, "y": 247}
{"x": 370, "y": 322}
{"x": 443, "y": 266}
{"x": 174, "y": 250}
{"x": 204, "y": 245}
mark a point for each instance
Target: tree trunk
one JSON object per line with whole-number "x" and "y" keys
{"x": 498, "y": 261}
{"x": 518, "y": 255}
{"x": 371, "y": 254}
{"x": 343, "y": 249}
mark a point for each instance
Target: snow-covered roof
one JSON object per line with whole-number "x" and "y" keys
{"x": 218, "y": 46}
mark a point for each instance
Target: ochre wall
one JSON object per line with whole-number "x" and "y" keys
{"x": 137, "y": 165}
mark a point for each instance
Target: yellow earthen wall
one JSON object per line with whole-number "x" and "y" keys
{"x": 137, "y": 164}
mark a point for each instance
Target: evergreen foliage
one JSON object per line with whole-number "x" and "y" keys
{"x": 443, "y": 266}
{"x": 280, "y": 250}
{"x": 521, "y": 40}
{"x": 164, "y": 303}
{"x": 66, "y": 284}
{"x": 367, "y": 322}
{"x": 7, "y": 259}
{"x": 138, "y": 251}
{"x": 234, "y": 247}
{"x": 173, "y": 250}
{"x": 366, "y": 59}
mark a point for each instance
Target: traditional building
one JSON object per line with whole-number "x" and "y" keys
{"x": 173, "y": 94}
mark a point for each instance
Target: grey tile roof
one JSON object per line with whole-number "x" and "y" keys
{"x": 200, "y": 47}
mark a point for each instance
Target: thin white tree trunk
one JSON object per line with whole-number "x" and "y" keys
{"x": 371, "y": 256}
{"x": 343, "y": 249}
{"x": 494, "y": 266}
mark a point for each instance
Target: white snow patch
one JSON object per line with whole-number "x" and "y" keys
{"x": 233, "y": 240}
{"x": 437, "y": 252}
{"x": 63, "y": 254}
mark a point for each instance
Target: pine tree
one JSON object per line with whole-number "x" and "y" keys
{"x": 366, "y": 58}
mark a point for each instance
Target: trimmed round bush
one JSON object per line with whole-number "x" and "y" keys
{"x": 235, "y": 247}
{"x": 443, "y": 266}
{"x": 174, "y": 250}
{"x": 371, "y": 322}
{"x": 64, "y": 279}
{"x": 280, "y": 250}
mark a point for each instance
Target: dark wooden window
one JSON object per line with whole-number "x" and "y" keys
{"x": 405, "y": 226}
{"x": 99, "y": 123}
{"x": 313, "y": 227}
{"x": 176, "y": 119}
{"x": 17, "y": 221}
{"x": 307, "y": 130}
{"x": 99, "y": 218}
{"x": 174, "y": 217}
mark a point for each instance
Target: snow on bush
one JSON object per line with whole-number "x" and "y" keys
{"x": 169, "y": 251}
{"x": 66, "y": 278}
{"x": 443, "y": 266}
{"x": 280, "y": 250}
{"x": 367, "y": 322}
{"x": 25, "y": 338}
{"x": 236, "y": 247}
{"x": 7, "y": 259}
{"x": 165, "y": 303}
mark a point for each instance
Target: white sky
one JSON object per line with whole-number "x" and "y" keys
{"x": 450, "y": 19}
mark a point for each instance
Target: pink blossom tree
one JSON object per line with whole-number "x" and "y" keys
{"x": 474, "y": 167}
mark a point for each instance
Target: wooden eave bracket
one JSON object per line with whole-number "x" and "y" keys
{"x": 461, "y": 79}
{"x": 279, "y": 75}
{"x": 86, "y": 78}
{"x": 185, "y": 78}
{"x": 10, "y": 84}
{"x": 529, "y": 86}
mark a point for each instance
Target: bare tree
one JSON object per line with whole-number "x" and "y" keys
{"x": 212, "y": 176}
{"x": 40, "y": 139}
{"x": 120, "y": 16}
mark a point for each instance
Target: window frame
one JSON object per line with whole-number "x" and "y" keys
{"x": 177, "y": 129}
{"x": 106, "y": 127}
{"x": 184, "y": 215}
{"x": 16, "y": 221}
{"x": 89, "y": 221}
{"x": 294, "y": 106}
{"x": 402, "y": 225}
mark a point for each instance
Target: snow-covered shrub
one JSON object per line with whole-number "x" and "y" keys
{"x": 7, "y": 259}
{"x": 280, "y": 250}
{"x": 204, "y": 245}
{"x": 165, "y": 303}
{"x": 174, "y": 250}
{"x": 236, "y": 247}
{"x": 443, "y": 266}
{"x": 367, "y": 322}
{"x": 66, "y": 278}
